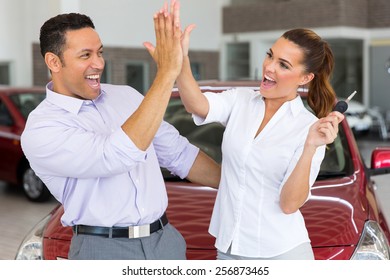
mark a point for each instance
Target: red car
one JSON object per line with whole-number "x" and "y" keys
{"x": 342, "y": 216}
{"x": 15, "y": 105}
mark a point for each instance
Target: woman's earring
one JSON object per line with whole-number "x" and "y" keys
{"x": 302, "y": 88}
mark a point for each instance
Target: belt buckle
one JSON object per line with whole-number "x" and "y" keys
{"x": 139, "y": 231}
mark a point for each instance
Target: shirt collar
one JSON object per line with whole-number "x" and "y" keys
{"x": 295, "y": 105}
{"x": 68, "y": 103}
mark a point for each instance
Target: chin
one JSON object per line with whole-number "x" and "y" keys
{"x": 266, "y": 92}
{"x": 94, "y": 93}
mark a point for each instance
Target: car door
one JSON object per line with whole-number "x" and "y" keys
{"x": 9, "y": 144}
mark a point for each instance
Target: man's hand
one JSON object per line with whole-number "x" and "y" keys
{"x": 167, "y": 53}
{"x": 142, "y": 125}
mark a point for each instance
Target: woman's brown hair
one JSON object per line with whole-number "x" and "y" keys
{"x": 318, "y": 59}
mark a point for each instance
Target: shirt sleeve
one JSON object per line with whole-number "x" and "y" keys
{"x": 174, "y": 151}
{"x": 220, "y": 107}
{"x": 315, "y": 165}
{"x": 57, "y": 148}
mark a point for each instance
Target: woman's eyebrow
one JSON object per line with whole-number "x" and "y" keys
{"x": 281, "y": 59}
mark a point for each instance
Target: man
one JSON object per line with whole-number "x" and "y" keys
{"x": 99, "y": 147}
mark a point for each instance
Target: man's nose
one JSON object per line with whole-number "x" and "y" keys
{"x": 98, "y": 62}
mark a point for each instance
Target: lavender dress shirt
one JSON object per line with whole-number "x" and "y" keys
{"x": 79, "y": 150}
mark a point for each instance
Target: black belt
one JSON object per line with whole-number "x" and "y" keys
{"x": 127, "y": 232}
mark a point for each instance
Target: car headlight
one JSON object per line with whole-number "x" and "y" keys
{"x": 373, "y": 244}
{"x": 31, "y": 247}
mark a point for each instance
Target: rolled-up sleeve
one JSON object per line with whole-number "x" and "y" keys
{"x": 59, "y": 149}
{"x": 220, "y": 107}
{"x": 314, "y": 168}
{"x": 174, "y": 151}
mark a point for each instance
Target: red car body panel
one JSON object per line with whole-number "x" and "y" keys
{"x": 334, "y": 215}
{"x": 381, "y": 156}
{"x": 10, "y": 150}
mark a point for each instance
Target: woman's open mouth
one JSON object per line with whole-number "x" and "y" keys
{"x": 267, "y": 82}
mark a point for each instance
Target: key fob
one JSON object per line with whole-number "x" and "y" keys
{"x": 341, "y": 106}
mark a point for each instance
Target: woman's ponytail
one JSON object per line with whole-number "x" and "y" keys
{"x": 318, "y": 59}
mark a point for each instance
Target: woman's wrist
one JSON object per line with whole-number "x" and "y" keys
{"x": 309, "y": 149}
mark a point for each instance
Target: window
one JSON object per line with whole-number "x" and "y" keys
{"x": 26, "y": 102}
{"x": 195, "y": 68}
{"x": 348, "y": 72}
{"x": 238, "y": 61}
{"x": 136, "y": 73}
{"x": 5, "y": 117}
{"x": 105, "y": 76}
{"x": 4, "y": 73}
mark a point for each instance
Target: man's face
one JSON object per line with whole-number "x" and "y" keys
{"x": 82, "y": 65}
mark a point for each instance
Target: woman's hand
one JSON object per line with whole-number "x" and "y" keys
{"x": 185, "y": 39}
{"x": 324, "y": 131}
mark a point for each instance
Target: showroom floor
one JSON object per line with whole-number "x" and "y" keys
{"x": 18, "y": 215}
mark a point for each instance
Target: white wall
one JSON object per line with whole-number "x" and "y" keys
{"x": 120, "y": 23}
{"x": 13, "y": 40}
{"x": 20, "y": 21}
{"x": 130, "y": 22}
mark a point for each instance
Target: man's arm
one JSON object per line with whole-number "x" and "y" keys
{"x": 205, "y": 171}
{"x": 143, "y": 124}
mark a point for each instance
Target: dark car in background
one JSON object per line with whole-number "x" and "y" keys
{"x": 343, "y": 217}
{"x": 15, "y": 105}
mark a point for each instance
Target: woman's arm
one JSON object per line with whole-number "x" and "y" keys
{"x": 193, "y": 99}
{"x": 190, "y": 93}
{"x": 296, "y": 189}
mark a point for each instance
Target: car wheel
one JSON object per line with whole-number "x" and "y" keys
{"x": 33, "y": 187}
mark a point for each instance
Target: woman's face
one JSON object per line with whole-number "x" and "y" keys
{"x": 283, "y": 71}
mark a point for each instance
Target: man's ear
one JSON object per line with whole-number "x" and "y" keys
{"x": 53, "y": 62}
{"x": 307, "y": 78}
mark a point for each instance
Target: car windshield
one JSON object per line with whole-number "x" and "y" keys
{"x": 26, "y": 102}
{"x": 337, "y": 161}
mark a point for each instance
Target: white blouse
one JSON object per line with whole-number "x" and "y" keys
{"x": 247, "y": 215}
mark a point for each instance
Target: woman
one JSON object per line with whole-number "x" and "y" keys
{"x": 272, "y": 146}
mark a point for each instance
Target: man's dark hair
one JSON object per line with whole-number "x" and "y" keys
{"x": 52, "y": 36}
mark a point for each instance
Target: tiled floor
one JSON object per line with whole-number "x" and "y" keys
{"x": 18, "y": 215}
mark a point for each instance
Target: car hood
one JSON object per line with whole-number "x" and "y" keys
{"x": 336, "y": 212}
{"x": 334, "y": 215}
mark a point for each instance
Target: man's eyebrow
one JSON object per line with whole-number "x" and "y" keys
{"x": 90, "y": 50}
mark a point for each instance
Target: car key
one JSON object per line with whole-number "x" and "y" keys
{"x": 342, "y": 105}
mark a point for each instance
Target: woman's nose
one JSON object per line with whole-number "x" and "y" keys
{"x": 269, "y": 66}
